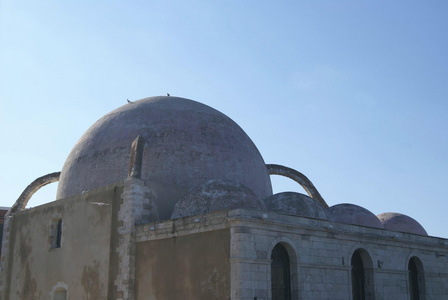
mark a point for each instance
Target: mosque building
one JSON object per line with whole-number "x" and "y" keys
{"x": 167, "y": 198}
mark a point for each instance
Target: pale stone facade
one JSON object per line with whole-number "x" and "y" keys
{"x": 223, "y": 237}
{"x": 320, "y": 253}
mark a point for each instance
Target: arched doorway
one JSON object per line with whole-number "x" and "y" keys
{"x": 416, "y": 279}
{"x": 362, "y": 276}
{"x": 280, "y": 273}
{"x": 358, "y": 277}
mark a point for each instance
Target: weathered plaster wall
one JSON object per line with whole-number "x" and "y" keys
{"x": 81, "y": 263}
{"x": 193, "y": 266}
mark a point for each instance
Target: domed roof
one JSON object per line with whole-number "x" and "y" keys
{"x": 297, "y": 204}
{"x": 187, "y": 143}
{"x": 347, "y": 213}
{"x": 402, "y": 223}
{"x": 216, "y": 195}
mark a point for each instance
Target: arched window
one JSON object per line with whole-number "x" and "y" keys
{"x": 416, "y": 279}
{"x": 60, "y": 294}
{"x": 280, "y": 273}
{"x": 362, "y": 276}
{"x": 59, "y": 291}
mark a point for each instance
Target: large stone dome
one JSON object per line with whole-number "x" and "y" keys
{"x": 187, "y": 143}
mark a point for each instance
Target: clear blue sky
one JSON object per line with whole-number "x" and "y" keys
{"x": 351, "y": 93}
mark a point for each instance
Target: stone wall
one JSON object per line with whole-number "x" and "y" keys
{"x": 321, "y": 252}
{"x": 107, "y": 252}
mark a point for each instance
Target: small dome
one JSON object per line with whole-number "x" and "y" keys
{"x": 347, "y": 213}
{"x": 187, "y": 143}
{"x": 297, "y": 204}
{"x": 402, "y": 223}
{"x": 216, "y": 195}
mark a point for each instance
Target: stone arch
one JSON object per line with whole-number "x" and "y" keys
{"x": 411, "y": 255}
{"x": 362, "y": 273}
{"x": 366, "y": 253}
{"x": 298, "y": 177}
{"x": 32, "y": 188}
{"x": 291, "y": 250}
{"x": 19, "y": 205}
{"x": 287, "y": 242}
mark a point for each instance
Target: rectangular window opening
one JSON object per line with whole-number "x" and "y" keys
{"x": 56, "y": 233}
{"x": 59, "y": 234}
